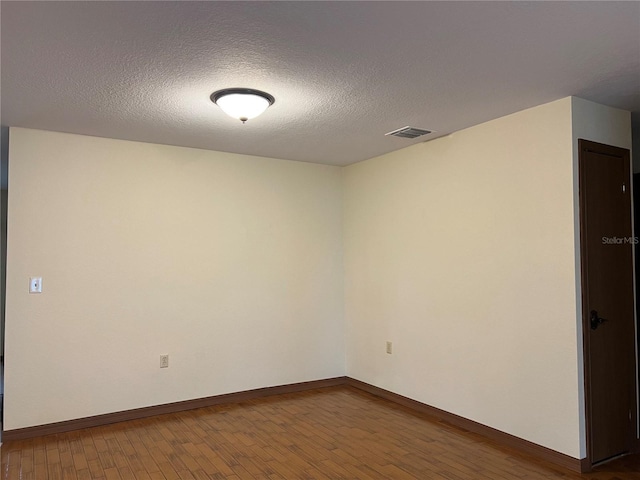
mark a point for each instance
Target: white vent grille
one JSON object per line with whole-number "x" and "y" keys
{"x": 408, "y": 132}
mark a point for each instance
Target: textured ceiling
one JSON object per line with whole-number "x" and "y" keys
{"x": 343, "y": 73}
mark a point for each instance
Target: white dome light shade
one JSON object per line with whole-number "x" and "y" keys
{"x": 242, "y": 103}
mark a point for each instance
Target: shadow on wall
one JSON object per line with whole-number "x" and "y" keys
{"x": 4, "y": 173}
{"x": 635, "y": 141}
{"x": 4, "y": 157}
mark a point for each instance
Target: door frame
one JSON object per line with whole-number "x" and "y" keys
{"x": 603, "y": 149}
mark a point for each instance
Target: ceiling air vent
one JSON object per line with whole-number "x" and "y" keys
{"x": 408, "y": 132}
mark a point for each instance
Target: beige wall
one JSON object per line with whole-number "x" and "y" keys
{"x": 461, "y": 252}
{"x": 230, "y": 264}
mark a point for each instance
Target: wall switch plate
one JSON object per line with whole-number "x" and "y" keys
{"x": 164, "y": 361}
{"x": 35, "y": 285}
{"x": 389, "y": 348}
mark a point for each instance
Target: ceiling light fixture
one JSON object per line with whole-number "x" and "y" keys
{"x": 242, "y": 103}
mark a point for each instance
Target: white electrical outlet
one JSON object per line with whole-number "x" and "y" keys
{"x": 389, "y": 348}
{"x": 164, "y": 361}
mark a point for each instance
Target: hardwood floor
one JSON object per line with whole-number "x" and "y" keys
{"x": 330, "y": 433}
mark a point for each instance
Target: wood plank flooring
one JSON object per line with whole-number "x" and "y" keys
{"x": 330, "y": 433}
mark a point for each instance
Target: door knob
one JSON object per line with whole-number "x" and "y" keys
{"x": 596, "y": 321}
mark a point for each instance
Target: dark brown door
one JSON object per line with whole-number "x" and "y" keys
{"x": 607, "y": 299}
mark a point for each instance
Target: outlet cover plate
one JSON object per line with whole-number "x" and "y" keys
{"x": 164, "y": 361}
